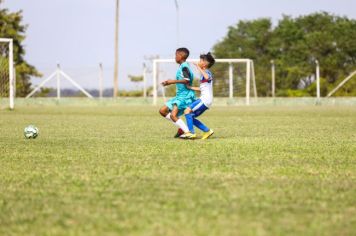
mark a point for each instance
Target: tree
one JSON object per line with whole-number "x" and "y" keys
{"x": 294, "y": 44}
{"x": 11, "y": 26}
{"x": 248, "y": 39}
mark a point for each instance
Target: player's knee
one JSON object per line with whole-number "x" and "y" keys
{"x": 187, "y": 111}
{"x": 174, "y": 116}
{"x": 163, "y": 111}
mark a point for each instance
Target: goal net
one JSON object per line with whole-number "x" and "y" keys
{"x": 232, "y": 78}
{"x": 7, "y": 84}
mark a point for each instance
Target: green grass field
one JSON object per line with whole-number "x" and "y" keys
{"x": 116, "y": 170}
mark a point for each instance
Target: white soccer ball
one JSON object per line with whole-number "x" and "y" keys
{"x": 31, "y": 131}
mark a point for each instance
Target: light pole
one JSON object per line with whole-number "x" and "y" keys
{"x": 177, "y": 10}
{"x": 116, "y": 63}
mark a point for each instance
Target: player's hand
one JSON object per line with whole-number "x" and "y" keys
{"x": 165, "y": 83}
{"x": 197, "y": 65}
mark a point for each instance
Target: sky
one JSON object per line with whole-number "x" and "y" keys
{"x": 79, "y": 34}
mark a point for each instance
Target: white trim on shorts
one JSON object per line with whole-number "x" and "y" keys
{"x": 198, "y": 106}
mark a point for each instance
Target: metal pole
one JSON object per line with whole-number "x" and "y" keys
{"x": 178, "y": 26}
{"x": 116, "y": 63}
{"x": 317, "y": 80}
{"x": 248, "y": 77}
{"x": 15, "y": 81}
{"x": 154, "y": 67}
{"x": 273, "y": 79}
{"x": 75, "y": 84}
{"x": 253, "y": 78}
{"x": 41, "y": 84}
{"x": 58, "y": 82}
{"x": 101, "y": 76}
{"x": 11, "y": 74}
{"x": 144, "y": 80}
{"x": 231, "y": 74}
{"x": 342, "y": 83}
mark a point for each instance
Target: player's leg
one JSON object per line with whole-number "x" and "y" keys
{"x": 200, "y": 125}
{"x": 189, "y": 114}
{"x": 195, "y": 109}
{"x": 175, "y": 118}
{"x": 207, "y": 131}
{"x": 178, "y": 110}
{"x": 164, "y": 111}
{"x": 174, "y": 113}
{"x": 189, "y": 118}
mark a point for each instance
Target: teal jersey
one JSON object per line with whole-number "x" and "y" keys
{"x": 184, "y": 73}
{"x": 184, "y": 97}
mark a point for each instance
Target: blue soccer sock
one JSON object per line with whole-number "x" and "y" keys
{"x": 189, "y": 119}
{"x": 200, "y": 125}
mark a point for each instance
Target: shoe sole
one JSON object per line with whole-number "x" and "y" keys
{"x": 192, "y": 138}
{"x": 208, "y": 136}
{"x": 177, "y": 135}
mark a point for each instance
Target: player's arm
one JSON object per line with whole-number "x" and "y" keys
{"x": 197, "y": 89}
{"x": 171, "y": 81}
{"x": 203, "y": 72}
{"x": 185, "y": 80}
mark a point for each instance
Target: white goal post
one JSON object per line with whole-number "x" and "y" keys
{"x": 8, "y": 56}
{"x": 250, "y": 74}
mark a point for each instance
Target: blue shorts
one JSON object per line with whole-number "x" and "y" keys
{"x": 181, "y": 103}
{"x": 198, "y": 108}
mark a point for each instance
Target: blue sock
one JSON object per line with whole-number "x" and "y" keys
{"x": 189, "y": 119}
{"x": 200, "y": 125}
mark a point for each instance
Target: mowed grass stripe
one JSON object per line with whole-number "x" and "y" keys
{"x": 117, "y": 170}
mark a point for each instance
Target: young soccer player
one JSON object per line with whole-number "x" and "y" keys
{"x": 206, "y": 99}
{"x": 184, "y": 96}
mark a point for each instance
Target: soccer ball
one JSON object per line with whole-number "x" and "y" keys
{"x": 30, "y": 131}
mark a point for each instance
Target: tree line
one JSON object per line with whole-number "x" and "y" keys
{"x": 294, "y": 45}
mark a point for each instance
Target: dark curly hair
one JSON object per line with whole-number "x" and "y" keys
{"x": 185, "y": 51}
{"x": 209, "y": 58}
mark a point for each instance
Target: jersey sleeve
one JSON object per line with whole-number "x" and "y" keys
{"x": 186, "y": 74}
{"x": 203, "y": 80}
{"x": 210, "y": 75}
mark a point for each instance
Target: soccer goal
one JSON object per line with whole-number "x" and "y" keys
{"x": 232, "y": 78}
{"x": 7, "y": 80}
